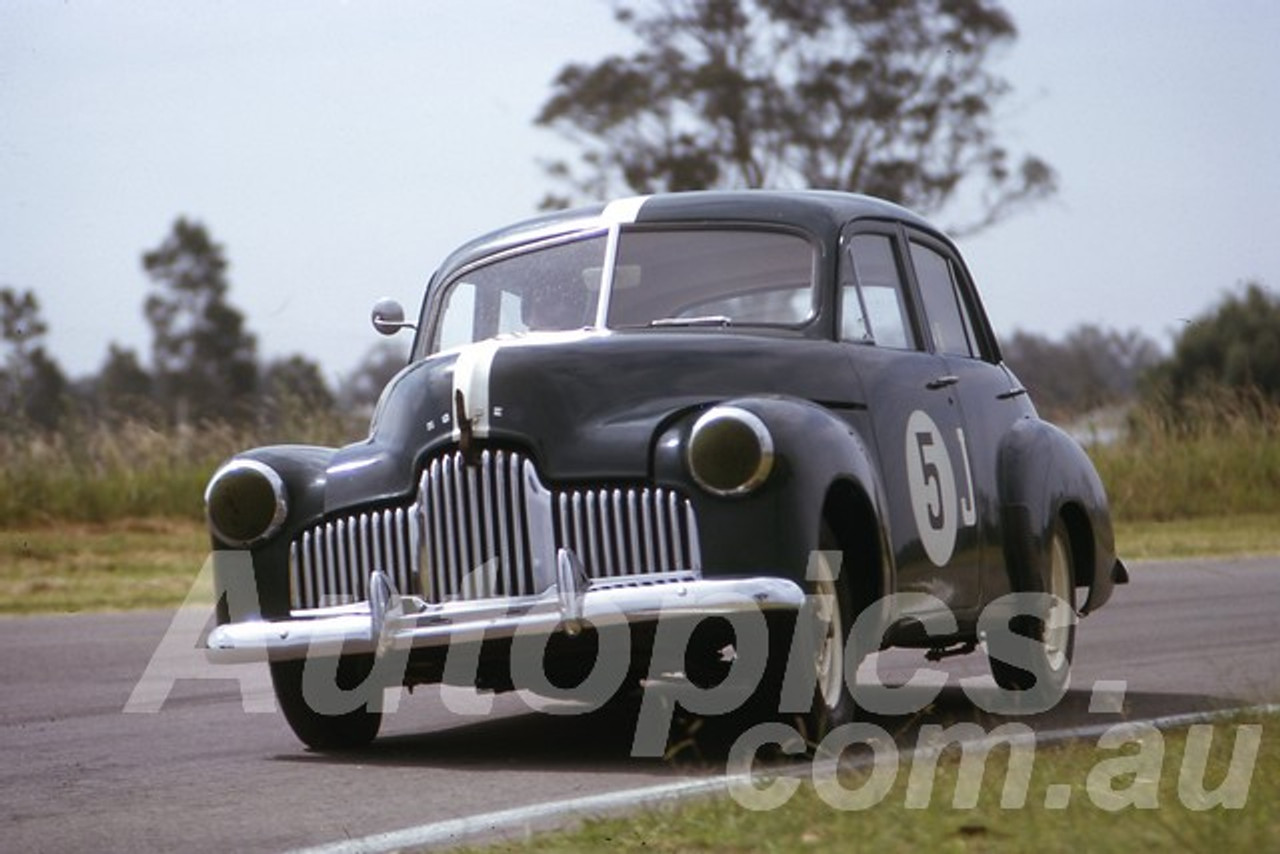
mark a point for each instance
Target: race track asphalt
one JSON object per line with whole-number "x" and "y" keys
{"x": 207, "y": 771}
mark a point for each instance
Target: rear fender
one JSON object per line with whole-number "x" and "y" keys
{"x": 1046, "y": 475}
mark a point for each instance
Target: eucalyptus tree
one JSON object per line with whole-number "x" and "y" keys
{"x": 895, "y": 98}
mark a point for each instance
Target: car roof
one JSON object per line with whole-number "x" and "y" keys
{"x": 820, "y": 212}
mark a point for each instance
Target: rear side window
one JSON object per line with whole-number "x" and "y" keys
{"x": 873, "y": 306}
{"x": 949, "y": 323}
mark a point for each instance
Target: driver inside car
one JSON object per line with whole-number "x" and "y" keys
{"x": 555, "y": 307}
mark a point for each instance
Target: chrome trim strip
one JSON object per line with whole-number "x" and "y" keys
{"x": 437, "y": 625}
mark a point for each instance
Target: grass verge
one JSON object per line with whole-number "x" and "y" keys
{"x": 1082, "y": 797}
{"x": 1210, "y": 536}
{"x": 152, "y": 562}
{"x": 140, "y": 563}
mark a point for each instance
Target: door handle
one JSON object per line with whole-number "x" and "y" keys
{"x": 942, "y": 382}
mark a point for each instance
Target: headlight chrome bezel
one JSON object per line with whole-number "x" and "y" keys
{"x": 716, "y": 429}
{"x": 275, "y": 510}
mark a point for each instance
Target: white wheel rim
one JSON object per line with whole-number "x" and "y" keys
{"x": 829, "y": 654}
{"x": 1057, "y": 629}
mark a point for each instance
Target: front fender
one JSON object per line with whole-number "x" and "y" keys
{"x": 303, "y": 470}
{"x": 774, "y": 529}
{"x": 1044, "y": 474}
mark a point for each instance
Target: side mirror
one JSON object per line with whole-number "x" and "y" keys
{"x": 388, "y": 317}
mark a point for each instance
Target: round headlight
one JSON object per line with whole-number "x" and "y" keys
{"x": 730, "y": 451}
{"x": 245, "y": 502}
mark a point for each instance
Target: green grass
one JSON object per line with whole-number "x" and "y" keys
{"x": 148, "y": 563}
{"x": 94, "y": 471}
{"x": 808, "y": 823}
{"x": 152, "y": 562}
{"x": 107, "y": 515}
{"x": 1221, "y": 461}
{"x": 1206, "y": 536}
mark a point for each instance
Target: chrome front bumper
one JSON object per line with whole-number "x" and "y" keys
{"x": 390, "y": 621}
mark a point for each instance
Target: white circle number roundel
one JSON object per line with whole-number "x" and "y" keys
{"x": 933, "y": 487}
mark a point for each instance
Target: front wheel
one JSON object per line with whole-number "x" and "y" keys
{"x": 1054, "y": 629}
{"x": 325, "y": 723}
{"x": 810, "y": 669}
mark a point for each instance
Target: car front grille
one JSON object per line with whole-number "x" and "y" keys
{"x": 492, "y": 529}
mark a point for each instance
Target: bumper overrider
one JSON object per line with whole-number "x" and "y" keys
{"x": 389, "y": 621}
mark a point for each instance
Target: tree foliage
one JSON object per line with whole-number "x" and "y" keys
{"x": 124, "y": 386}
{"x": 204, "y": 359}
{"x": 1090, "y": 368}
{"x": 888, "y": 97}
{"x": 1235, "y": 346}
{"x": 361, "y": 388}
{"x": 33, "y": 389}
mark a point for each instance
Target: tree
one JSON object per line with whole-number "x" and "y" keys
{"x": 32, "y": 386}
{"x": 1088, "y": 369}
{"x": 360, "y": 389}
{"x": 123, "y": 386}
{"x": 1235, "y": 346}
{"x": 887, "y": 97}
{"x": 295, "y": 386}
{"x": 203, "y": 357}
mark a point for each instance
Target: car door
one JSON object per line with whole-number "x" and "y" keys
{"x": 988, "y": 396}
{"x": 916, "y": 420}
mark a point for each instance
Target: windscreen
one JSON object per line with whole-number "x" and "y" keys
{"x": 688, "y": 276}
{"x": 662, "y": 277}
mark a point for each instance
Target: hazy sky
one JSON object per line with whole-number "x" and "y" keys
{"x": 338, "y": 150}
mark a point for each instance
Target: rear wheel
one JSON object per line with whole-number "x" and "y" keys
{"x": 317, "y": 729}
{"x": 1055, "y": 628}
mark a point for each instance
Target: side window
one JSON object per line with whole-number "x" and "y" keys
{"x": 949, "y": 321}
{"x": 873, "y": 308}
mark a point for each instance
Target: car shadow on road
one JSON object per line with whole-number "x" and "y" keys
{"x": 604, "y": 739}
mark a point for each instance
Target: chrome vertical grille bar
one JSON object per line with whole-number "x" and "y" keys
{"x": 455, "y": 543}
{"x": 673, "y": 519}
{"x": 514, "y": 508}
{"x": 338, "y": 571}
{"x": 664, "y": 553}
{"x": 471, "y": 569}
{"x": 433, "y": 583}
{"x": 296, "y": 571}
{"x": 691, "y": 537}
{"x": 633, "y": 529}
{"x": 647, "y": 529}
{"x": 365, "y": 558}
{"x": 594, "y": 557}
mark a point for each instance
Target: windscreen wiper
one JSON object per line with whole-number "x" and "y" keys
{"x": 701, "y": 320}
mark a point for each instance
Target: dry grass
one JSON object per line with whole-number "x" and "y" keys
{"x": 1220, "y": 458}
{"x": 107, "y": 471}
{"x": 139, "y": 563}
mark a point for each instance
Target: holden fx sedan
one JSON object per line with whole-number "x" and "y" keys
{"x": 670, "y": 420}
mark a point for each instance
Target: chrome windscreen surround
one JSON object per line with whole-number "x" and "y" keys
{"x": 492, "y": 530}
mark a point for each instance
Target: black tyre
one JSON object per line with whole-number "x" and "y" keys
{"x": 315, "y": 728}
{"x": 1056, "y": 629}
